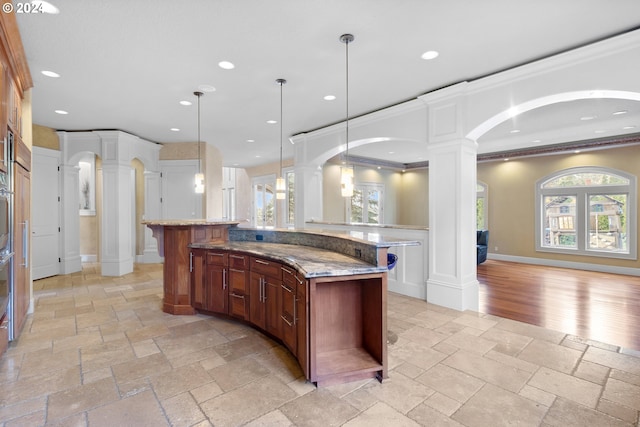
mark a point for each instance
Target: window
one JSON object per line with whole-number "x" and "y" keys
{"x": 264, "y": 214}
{"x": 481, "y": 206}
{"x": 587, "y": 211}
{"x": 366, "y": 204}
{"x": 289, "y": 177}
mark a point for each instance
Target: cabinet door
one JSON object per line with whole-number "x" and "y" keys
{"x": 256, "y": 300}
{"x": 217, "y": 290}
{"x": 302, "y": 304}
{"x": 21, "y": 266}
{"x": 273, "y": 306}
{"x": 198, "y": 286}
{"x": 288, "y": 313}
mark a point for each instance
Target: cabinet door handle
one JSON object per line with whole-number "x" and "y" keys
{"x": 300, "y": 282}
{"x": 295, "y": 310}
{"x": 190, "y": 262}
{"x": 286, "y": 270}
{"x": 236, "y": 256}
{"x": 287, "y": 321}
{"x": 260, "y": 290}
{"x": 259, "y": 261}
{"x": 224, "y": 278}
{"x": 264, "y": 290}
{"x": 216, "y": 254}
{"x": 236, "y": 295}
{"x": 25, "y": 244}
{"x": 286, "y": 288}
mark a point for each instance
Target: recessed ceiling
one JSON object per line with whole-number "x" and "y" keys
{"x": 127, "y": 64}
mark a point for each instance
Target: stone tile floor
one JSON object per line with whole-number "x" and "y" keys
{"x": 98, "y": 351}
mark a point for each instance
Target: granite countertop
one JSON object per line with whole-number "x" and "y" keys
{"x": 366, "y": 225}
{"x": 179, "y": 222}
{"x": 312, "y": 262}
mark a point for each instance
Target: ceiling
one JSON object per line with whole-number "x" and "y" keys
{"x": 127, "y": 64}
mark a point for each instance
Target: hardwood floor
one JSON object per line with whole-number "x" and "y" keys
{"x": 598, "y": 306}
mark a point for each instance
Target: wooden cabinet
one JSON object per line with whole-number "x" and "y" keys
{"x": 197, "y": 274}
{"x": 334, "y": 325}
{"x": 22, "y": 235}
{"x": 14, "y": 109}
{"x": 217, "y": 291}
{"x": 288, "y": 310}
{"x": 301, "y": 323}
{"x": 238, "y": 280}
{"x": 265, "y": 283}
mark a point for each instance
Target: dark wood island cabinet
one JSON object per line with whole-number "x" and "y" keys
{"x": 326, "y": 307}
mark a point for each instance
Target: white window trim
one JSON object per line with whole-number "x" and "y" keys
{"x": 284, "y": 172}
{"x": 582, "y": 194}
{"x": 485, "y": 195}
{"x": 365, "y": 186}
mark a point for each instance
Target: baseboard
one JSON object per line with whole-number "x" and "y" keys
{"x": 629, "y": 271}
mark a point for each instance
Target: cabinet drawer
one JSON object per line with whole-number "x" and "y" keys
{"x": 217, "y": 258}
{"x": 241, "y": 262}
{"x": 289, "y": 276}
{"x": 301, "y": 284}
{"x": 268, "y": 268}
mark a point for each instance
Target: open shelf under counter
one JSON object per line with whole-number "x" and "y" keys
{"x": 348, "y": 330}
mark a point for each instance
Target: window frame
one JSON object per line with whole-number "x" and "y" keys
{"x": 365, "y": 186}
{"x": 484, "y": 195}
{"x": 582, "y": 213}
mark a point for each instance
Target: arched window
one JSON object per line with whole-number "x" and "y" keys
{"x": 587, "y": 211}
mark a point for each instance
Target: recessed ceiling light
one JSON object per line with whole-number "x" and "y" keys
{"x": 207, "y": 88}
{"x": 430, "y": 54}
{"x": 329, "y": 97}
{"x": 185, "y": 103}
{"x": 379, "y": 167}
{"x": 515, "y": 131}
{"x": 174, "y": 130}
{"x": 272, "y": 122}
{"x": 62, "y": 112}
{"x": 251, "y": 140}
{"x": 45, "y": 7}
{"x": 537, "y": 140}
{"x": 391, "y": 152}
{"x": 258, "y": 156}
{"x": 50, "y": 73}
{"x": 600, "y": 131}
{"x": 628, "y": 127}
{"x": 585, "y": 118}
{"x": 226, "y": 65}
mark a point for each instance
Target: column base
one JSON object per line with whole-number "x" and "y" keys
{"x": 457, "y": 296}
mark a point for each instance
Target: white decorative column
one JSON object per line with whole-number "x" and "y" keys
{"x": 152, "y": 210}
{"x": 70, "y": 260}
{"x": 452, "y": 197}
{"x": 117, "y": 207}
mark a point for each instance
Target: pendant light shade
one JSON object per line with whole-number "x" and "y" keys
{"x": 281, "y": 188}
{"x": 346, "y": 172}
{"x": 199, "y": 178}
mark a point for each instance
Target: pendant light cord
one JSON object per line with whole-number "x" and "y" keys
{"x": 281, "y": 83}
{"x": 347, "y": 97}
{"x": 198, "y": 94}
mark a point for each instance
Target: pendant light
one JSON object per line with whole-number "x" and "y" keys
{"x": 346, "y": 171}
{"x": 280, "y": 184}
{"x": 199, "y": 179}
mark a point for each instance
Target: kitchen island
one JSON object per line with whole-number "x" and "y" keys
{"x": 324, "y": 296}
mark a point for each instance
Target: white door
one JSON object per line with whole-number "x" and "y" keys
{"x": 264, "y": 198}
{"x": 179, "y": 199}
{"x": 45, "y": 213}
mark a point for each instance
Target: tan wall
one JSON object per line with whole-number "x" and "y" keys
{"x": 45, "y": 137}
{"x": 511, "y": 197}
{"x": 413, "y": 198}
{"x": 406, "y": 194}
